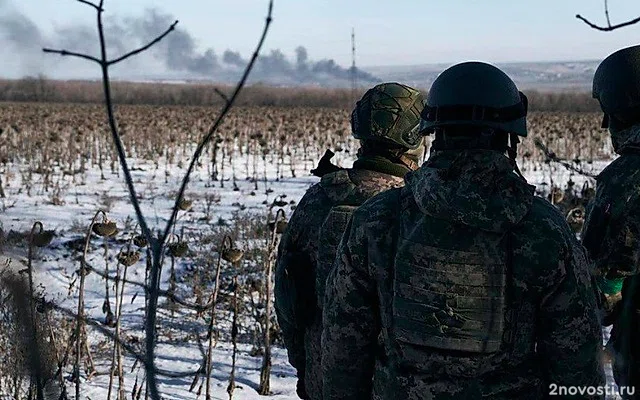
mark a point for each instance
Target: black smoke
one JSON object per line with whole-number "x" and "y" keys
{"x": 233, "y": 58}
{"x": 176, "y": 54}
{"x": 178, "y": 50}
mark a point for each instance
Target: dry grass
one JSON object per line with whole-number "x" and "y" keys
{"x": 203, "y": 94}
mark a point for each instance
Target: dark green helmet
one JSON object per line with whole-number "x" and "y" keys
{"x": 475, "y": 93}
{"x": 389, "y": 113}
{"x": 616, "y": 83}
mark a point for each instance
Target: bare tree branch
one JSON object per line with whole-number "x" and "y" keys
{"x": 221, "y": 94}
{"x": 71, "y": 53}
{"x": 155, "y": 272}
{"x": 609, "y": 27}
{"x": 143, "y": 48}
{"x": 156, "y": 244}
{"x": 98, "y": 8}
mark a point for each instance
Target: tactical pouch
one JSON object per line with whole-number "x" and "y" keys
{"x": 450, "y": 299}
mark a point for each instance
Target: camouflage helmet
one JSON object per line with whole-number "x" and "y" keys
{"x": 616, "y": 83}
{"x": 389, "y": 113}
{"x": 475, "y": 93}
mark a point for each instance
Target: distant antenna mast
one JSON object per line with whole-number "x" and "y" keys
{"x": 354, "y": 74}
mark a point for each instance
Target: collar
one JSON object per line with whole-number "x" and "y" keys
{"x": 381, "y": 164}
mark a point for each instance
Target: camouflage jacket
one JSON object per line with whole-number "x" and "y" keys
{"x": 611, "y": 232}
{"x": 550, "y": 329}
{"x": 612, "y": 237}
{"x": 297, "y": 269}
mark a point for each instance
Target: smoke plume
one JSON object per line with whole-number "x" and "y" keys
{"x": 177, "y": 55}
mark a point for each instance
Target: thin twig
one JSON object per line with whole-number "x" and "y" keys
{"x": 71, "y": 53}
{"x": 143, "y": 48}
{"x": 265, "y": 370}
{"x": 606, "y": 12}
{"x": 234, "y": 335}
{"x": 80, "y": 314}
{"x": 221, "y": 94}
{"x": 162, "y": 293}
{"x": 610, "y": 27}
{"x": 98, "y": 8}
{"x": 551, "y": 156}
{"x": 119, "y": 355}
{"x": 212, "y": 315}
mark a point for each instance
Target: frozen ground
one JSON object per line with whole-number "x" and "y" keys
{"x": 70, "y": 210}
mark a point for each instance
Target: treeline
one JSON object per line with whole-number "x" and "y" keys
{"x": 40, "y": 89}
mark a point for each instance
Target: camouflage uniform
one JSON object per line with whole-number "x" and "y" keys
{"x": 612, "y": 228}
{"x": 612, "y": 238}
{"x": 298, "y": 261}
{"x": 308, "y": 247}
{"x": 391, "y": 329}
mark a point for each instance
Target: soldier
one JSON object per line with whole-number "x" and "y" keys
{"x": 386, "y": 120}
{"x": 612, "y": 228}
{"x": 462, "y": 284}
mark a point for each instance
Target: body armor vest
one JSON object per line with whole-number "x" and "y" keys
{"x": 447, "y": 298}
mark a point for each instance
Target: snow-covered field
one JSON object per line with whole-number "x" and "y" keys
{"x": 213, "y": 206}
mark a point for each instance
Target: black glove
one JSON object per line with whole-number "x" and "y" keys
{"x": 300, "y": 389}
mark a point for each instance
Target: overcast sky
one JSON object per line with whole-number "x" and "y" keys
{"x": 398, "y": 32}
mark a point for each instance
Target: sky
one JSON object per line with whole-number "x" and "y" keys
{"x": 399, "y": 32}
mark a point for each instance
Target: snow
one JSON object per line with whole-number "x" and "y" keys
{"x": 157, "y": 188}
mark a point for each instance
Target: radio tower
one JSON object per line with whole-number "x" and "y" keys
{"x": 354, "y": 73}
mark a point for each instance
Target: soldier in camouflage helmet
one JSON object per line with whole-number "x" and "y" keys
{"x": 386, "y": 120}
{"x": 462, "y": 284}
{"x": 612, "y": 227}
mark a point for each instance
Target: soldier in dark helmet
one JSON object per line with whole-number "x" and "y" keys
{"x": 462, "y": 284}
{"x": 386, "y": 121}
{"x": 612, "y": 228}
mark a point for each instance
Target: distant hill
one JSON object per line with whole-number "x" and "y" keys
{"x": 544, "y": 76}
